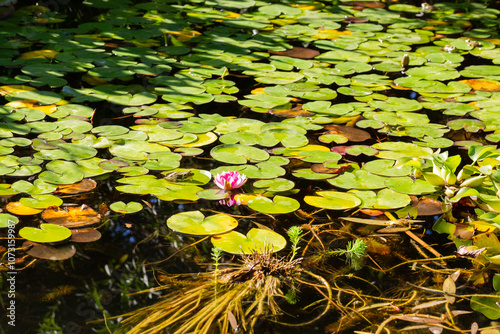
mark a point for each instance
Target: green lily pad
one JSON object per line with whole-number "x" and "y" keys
{"x": 277, "y": 205}
{"x": 130, "y": 207}
{"x": 333, "y": 200}
{"x": 41, "y": 201}
{"x": 397, "y": 150}
{"x": 275, "y": 185}
{"x": 469, "y": 125}
{"x": 386, "y": 168}
{"x": 256, "y": 241}
{"x": 407, "y": 185}
{"x": 238, "y": 154}
{"x": 195, "y": 223}
{"x": 8, "y": 220}
{"x": 383, "y": 199}
{"x": 46, "y": 233}
{"x": 360, "y": 179}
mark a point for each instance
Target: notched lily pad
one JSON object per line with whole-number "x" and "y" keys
{"x": 195, "y": 223}
{"x": 122, "y": 207}
{"x": 46, "y": 233}
{"x": 256, "y": 241}
{"x": 333, "y": 200}
{"x": 277, "y": 205}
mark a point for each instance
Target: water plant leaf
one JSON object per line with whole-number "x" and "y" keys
{"x": 277, "y": 205}
{"x": 238, "y": 154}
{"x": 195, "y": 223}
{"x": 7, "y": 220}
{"x": 407, "y": 185}
{"x": 48, "y": 252}
{"x": 130, "y": 207}
{"x": 385, "y": 167}
{"x": 19, "y": 209}
{"x": 256, "y": 241}
{"x": 76, "y": 188}
{"x": 360, "y": 179}
{"x": 41, "y": 201}
{"x": 333, "y": 200}
{"x": 383, "y": 199}
{"x": 46, "y": 233}
{"x": 275, "y": 185}
{"x": 71, "y": 216}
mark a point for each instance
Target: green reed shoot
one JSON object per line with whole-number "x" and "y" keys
{"x": 294, "y": 234}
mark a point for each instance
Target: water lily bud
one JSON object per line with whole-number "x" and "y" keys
{"x": 449, "y": 192}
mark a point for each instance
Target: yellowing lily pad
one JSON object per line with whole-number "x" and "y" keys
{"x": 384, "y": 199}
{"x": 195, "y": 223}
{"x": 46, "y": 233}
{"x": 256, "y": 241}
{"x": 18, "y": 208}
{"x": 333, "y": 200}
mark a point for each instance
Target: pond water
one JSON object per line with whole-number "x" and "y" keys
{"x": 216, "y": 166}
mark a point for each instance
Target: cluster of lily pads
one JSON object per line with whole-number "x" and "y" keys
{"x": 327, "y": 78}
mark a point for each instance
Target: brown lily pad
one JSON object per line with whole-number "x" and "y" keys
{"x": 85, "y": 235}
{"x": 48, "y": 252}
{"x": 80, "y": 187}
{"x": 291, "y": 113}
{"x": 297, "y": 52}
{"x": 320, "y": 168}
{"x": 352, "y": 134}
{"x": 427, "y": 206}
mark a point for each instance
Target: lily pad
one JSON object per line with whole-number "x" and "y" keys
{"x": 195, "y": 223}
{"x": 46, "y": 233}
{"x": 7, "y": 220}
{"x": 122, "y": 207}
{"x": 407, "y": 185}
{"x": 277, "y": 205}
{"x": 256, "y": 241}
{"x": 333, "y": 200}
{"x": 384, "y": 199}
{"x": 238, "y": 154}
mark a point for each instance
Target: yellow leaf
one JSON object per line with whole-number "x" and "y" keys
{"x": 483, "y": 226}
{"x": 330, "y": 34}
{"x": 19, "y": 209}
{"x": 5, "y": 90}
{"x": 309, "y": 6}
{"x": 31, "y": 104}
{"x": 258, "y": 91}
{"x": 39, "y": 54}
{"x": 232, "y": 15}
{"x": 184, "y": 35}
{"x": 484, "y": 85}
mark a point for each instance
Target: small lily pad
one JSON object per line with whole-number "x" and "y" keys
{"x": 122, "y": 207}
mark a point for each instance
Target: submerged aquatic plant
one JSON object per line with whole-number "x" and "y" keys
{"x": 246, "y": 292}
{"x": 355, "y": 252}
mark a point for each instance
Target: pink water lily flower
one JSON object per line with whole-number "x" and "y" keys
{"x": 230, "y": 180}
